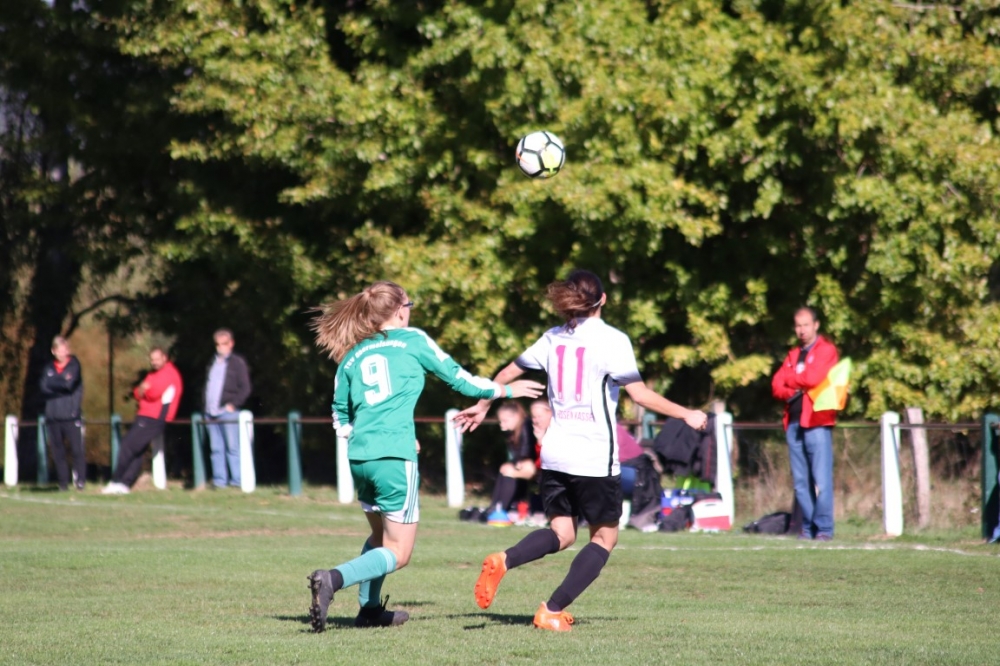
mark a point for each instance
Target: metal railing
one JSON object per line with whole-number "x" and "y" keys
{"x": 889, "y": 427}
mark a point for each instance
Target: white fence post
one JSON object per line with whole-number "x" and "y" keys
{"x": 453, "y": 460}
{"x": 892, "y": 491}
{"x": 10, "y": 451}
{"x": 345, "y": 482}
{"x": 723, "y": 463}
{"x": 248, "y": 473}
{"x": 159, "y": 464}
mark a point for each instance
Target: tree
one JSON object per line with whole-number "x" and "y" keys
{"x": 727, "y": 162}
{"x": 81, "y": 173}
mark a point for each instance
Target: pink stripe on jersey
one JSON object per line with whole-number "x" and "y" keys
{"x": 560, "y": 357}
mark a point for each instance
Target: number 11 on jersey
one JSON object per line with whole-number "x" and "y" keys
{"x": 560, "y": 369}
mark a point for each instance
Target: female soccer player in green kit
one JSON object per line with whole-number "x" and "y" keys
{"x": 382, "y": 363}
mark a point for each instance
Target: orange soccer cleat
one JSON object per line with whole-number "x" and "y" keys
{"x": 552, "y": 620}
{"x": 494, "y": 567}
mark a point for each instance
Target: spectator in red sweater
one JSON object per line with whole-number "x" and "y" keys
{"x": 159, "y": 395}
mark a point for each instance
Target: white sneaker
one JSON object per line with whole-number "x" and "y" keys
{"x": 114, "y": 488}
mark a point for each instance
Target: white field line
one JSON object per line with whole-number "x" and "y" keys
{"x": 94, "y": 505}
{"x": 115, "y": 503}
{"x": 870, "y": 547}
{"x": 355, "y": 514}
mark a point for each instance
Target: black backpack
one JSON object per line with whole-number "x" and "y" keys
{"x": 647, "y": 490}
{"x": 679, "y": 519}
{"x": 773, "y": 523}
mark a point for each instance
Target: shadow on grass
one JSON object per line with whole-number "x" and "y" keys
{"x": 301, "y": 619}
{"x": 516, "y": 620}
{"x": 331, "y": 622}
{"x": 493, "y": 618}
{"x": 345, "y": 622}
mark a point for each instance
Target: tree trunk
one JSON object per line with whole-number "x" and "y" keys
{"x": 57, "y": 264}
{"x": 15, "y": 244}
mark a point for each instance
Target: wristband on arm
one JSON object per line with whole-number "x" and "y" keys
{"x": 508, "y": 391}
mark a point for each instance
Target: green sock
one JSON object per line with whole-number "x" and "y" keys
{"x": 375, "y": 563}
{"x": 370, "y": 591}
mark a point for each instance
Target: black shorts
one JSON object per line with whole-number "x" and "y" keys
{"x": 596, "y": 499}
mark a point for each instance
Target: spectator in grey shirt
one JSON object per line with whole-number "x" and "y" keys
{"x": 226, "y": 391}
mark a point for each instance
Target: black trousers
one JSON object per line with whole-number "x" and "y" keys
{"x": 59, "y": 433}
{"x": 134, "y": 444}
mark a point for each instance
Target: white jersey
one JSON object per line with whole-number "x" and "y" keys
{"x": 585, "y": 367}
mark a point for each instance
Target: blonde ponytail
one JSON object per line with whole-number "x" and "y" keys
{"x": 342, "y": 324}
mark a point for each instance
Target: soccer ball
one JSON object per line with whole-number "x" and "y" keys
{"x": 540, "y": 155}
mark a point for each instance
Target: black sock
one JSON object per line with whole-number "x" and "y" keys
{"x": 533, "y": 547}
{"x": 503, "y": 492}
{"x": 372, "y": 612}
{"x": 585, "y": 569}
{"x": 337, "y": 579}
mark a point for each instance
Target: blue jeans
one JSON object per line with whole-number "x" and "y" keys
{"x": 628, "y": 480}
{"x": 224, "y": 440}
{"x": 810, "y": 452}
{"x": 996, "y": 530}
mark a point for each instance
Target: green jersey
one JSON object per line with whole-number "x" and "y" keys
{"x": 377, "y": 386}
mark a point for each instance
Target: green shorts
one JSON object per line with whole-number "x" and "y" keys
{"x": 388, "y": 486}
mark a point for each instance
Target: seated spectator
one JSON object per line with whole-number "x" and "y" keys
{"x": 520, "y": 466}
{"x": 628, "y": 449}
{"x": 541, "y": 417}
{"x": 641, "y": 487}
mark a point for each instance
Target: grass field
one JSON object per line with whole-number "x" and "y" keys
{"x": 220, "y": 578}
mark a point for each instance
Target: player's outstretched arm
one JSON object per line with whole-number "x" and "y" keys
{"x": 650, "y": 399}
{"x": 525, "y": 388}
{"x": 469, "y": 419}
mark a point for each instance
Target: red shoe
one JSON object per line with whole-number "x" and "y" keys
{"x": 494, "y": 567}
{"x": 552, "y": 620}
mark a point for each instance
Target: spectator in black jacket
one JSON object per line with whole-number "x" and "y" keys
{"x": 520, "y": 467}
{"x": 62, "y": 388}
{"x": 226, "y": 391}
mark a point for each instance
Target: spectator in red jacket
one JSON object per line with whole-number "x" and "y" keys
{"x": 159, "y": 395}
{"x": 809, "y": 433}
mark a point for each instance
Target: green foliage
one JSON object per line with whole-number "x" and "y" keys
{"x": 727, "y": 162}
{"x": 82, "y": 179}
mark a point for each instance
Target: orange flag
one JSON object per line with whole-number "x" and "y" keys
{"x": 831, "y": 393}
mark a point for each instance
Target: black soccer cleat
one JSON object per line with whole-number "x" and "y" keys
{"x": 378, "y": 616}
{"x": 321, "y": 586}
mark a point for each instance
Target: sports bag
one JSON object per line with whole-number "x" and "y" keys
{"x": 772, "y": 523}
{"x": 679, "y": 519}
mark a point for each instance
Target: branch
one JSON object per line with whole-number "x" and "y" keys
{"x": 77, "y": 316}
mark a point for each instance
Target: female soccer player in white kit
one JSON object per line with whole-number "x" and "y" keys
{"x": 586, "y": 361}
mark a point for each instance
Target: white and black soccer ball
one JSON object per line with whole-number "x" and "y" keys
{"x": 540, "y": 154}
